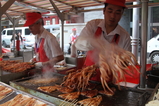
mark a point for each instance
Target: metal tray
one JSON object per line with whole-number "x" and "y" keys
{"x": 123, "y": 97}
{"x": 8, "y": 76}
{"x": 9, "y": 97}
{"x": 14, "y": 90}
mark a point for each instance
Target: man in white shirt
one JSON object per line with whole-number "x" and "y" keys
{"x": 107, "y": 29}
{"x": 109, "y": 26}
{"x": 47, "y": 48}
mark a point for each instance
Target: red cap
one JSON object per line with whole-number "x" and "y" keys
{"x": 116, "y": 2}
{"x": 31, "y": 18}
{"x": 74, "y": 29}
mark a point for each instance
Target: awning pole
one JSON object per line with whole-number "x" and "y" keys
{"x": 135, "y": 32}
{"x": 2, "y": 11}
{"x": 14, "y": 22}
{"x": 143, "y": 54}
{"x": 61, "y": 16}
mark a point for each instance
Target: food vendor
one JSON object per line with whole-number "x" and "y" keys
{"x": 47, "y": 48}
{"x": 107, "y": 29}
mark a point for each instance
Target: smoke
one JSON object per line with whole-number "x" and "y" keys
{"x": 97, "y": 45}
{"x": 46, "y": 72}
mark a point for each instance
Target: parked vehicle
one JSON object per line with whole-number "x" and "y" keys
{"x": 6, "y": 43}
{"x": 153, "y": 49}
{"x": 27, "y": 36}
{"x": 54, "y": 29}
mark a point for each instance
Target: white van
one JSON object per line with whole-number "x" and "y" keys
{"x": 153, "y": 49}
{"x": 54, "y": 29}
{"x": 28, "y": 37}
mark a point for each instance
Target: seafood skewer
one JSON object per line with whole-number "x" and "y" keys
{"x": 113, "y": 62}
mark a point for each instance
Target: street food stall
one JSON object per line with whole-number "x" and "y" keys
{"x": 52, "y": 92}
{"x": 50, "y": 87}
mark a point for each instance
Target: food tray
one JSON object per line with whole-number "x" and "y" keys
{"x": 124, "y": 96}
{"x": 1, "y": 83}
{"x": 16, "y": 92}
{"x": 23, "y": 93}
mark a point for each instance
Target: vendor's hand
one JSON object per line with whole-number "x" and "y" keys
{"x": 32, "y": 60}
{"x": 38, "y": 65}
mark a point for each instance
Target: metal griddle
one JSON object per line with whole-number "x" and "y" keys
{"x": 123, "y": 97}
{"x": 9, "y": 76}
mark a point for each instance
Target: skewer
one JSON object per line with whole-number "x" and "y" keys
{"x": 65, "y": 101}
{"x": 74, "y": 102}
{"x": 71, "y": 103}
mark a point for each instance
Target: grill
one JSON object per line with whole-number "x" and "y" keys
{"x": 8, "y": 76}
{"x": 123, "y": 97}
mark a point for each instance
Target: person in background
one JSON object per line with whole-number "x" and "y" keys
{"x": 47, "y": 48}
{"x": 106, "y": 29}
{"x": 74, "y": 36}
{"x": 13, "y": 41}
{"x": 19, "y": 37}
{"x": 14, "y": 36}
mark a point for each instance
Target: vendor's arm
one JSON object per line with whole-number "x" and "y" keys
{"x": 54, "y": 52}
{"x": 54, "y": 60}
{"x": 83, "y": 40}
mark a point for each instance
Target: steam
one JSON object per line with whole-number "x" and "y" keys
{"x": 47, "y": 73}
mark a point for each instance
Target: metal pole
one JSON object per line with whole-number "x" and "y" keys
{"x": 0, "y": 41}
{"x": 61, "y": 16}
{"x": 0, "y": 30}
{"x": 135, "y": 32}
{"x": 2, "y": 11}
{"x": 143, "y": 55}
{"x": 62, "y": 35}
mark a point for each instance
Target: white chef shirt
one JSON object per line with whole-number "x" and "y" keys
{"x": 51, "y": 45}
{"x": 89, "y": 32}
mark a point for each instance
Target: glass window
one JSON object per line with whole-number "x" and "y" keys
{"x": 47, "y": 22}
{"x": 4, "y": 32}
{"x": 48, "y": 29}
{"x": 9, "y": 32}
{"x": 53, "y": 21}
{"x": 17, "y": 31}
{"x": 27, "y": 31}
